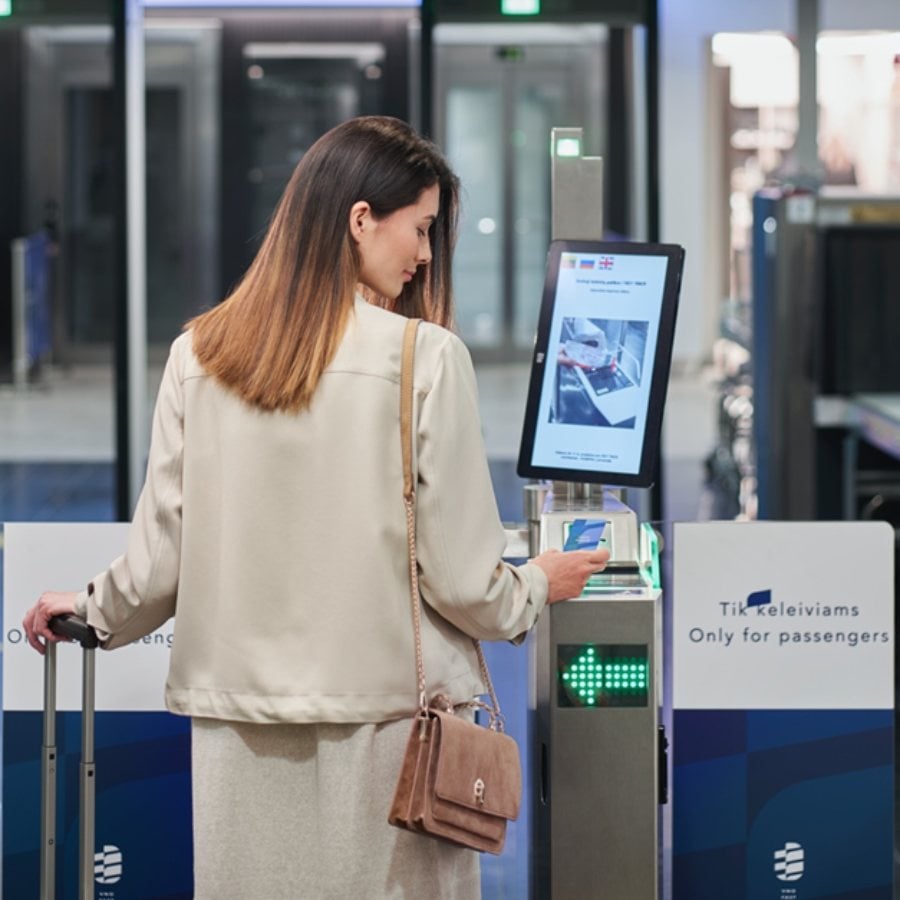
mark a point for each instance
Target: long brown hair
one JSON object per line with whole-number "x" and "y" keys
{"x": 272, "y": 338}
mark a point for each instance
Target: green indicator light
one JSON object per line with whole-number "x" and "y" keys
{"x": 602, "y": 676}
{"x": 5, "y": 7}
{"x": 568, "y": 147}
{"x": 520, "y": 7}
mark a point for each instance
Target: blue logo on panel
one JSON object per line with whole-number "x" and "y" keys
{"x": 759, "y": 598}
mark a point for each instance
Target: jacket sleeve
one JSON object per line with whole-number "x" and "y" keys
{"x": 136, "y": 594}
{"x": 459, "y": 536}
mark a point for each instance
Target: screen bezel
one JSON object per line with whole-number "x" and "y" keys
{"x": 662, "y": 359}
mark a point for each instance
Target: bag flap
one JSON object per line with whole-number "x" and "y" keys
{"x": 477, "y": 768}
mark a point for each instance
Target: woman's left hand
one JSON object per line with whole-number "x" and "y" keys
{"x": 36, "y": 621}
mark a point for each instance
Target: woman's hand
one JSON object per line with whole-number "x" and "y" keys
{"x": 36, "y": 621}
{"x": 568, "y": 571}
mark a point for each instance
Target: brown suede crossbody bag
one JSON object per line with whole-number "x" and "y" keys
{"x": 459, "y": 782}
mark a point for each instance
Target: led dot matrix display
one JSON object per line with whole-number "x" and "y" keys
{"x": 603, "y": 675}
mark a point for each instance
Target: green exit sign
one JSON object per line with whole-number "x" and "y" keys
{"x": 5, "y": 7}
{"x": 520, "y": 7}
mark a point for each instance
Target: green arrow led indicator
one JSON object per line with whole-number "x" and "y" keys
{"x": 603, "y": 675}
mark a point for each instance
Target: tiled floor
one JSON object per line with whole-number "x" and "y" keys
{"x": 57, "y": 491}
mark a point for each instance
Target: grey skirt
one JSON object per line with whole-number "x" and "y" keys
{"x": 300, "y": 811}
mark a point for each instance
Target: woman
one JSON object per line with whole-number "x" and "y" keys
{"x": 271, "y": 526}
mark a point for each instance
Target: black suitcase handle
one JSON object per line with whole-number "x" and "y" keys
{"x": 76, "y": 628}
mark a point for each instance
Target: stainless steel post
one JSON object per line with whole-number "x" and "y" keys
{"x": 807, "y": 146}
{"x": 19, "y": 316}
{"x": 48, "y": 779}
{"x": 88, "y": 787}
{"x": 576, "y": 188}
{"x": 534, "y": 497}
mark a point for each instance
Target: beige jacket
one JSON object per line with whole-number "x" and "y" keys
{"x": 278, "y": 541}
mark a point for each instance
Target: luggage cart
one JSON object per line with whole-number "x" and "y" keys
{"x": 77, "y": 630}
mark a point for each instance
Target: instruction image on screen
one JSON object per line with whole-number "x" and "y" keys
{"x": 599, "y": 371}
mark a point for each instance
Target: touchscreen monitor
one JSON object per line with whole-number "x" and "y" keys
{"x": 601, "y": 362}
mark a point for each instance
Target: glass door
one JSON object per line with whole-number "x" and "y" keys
{"x": 295, "y": 93}
{"x": 70, "y": 178}
{"x": 498, "y": 92}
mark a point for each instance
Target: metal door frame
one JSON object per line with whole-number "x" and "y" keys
{"x": 534, "y": 35}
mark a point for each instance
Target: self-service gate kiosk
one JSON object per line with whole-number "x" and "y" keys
{"x": 593, "y": 418}
{"x": 598, "y": 693}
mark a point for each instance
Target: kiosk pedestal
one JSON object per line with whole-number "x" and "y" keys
{"x": 594, "y": 414}
{"x": 597, "y": 669}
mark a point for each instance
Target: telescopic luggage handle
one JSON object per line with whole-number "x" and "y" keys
{"x": 78, "y": 630}
{"x": 75, "y": 628}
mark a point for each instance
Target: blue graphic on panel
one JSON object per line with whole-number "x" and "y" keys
{"x": 143, "y": 830}
{"x": 759, "y": 598}
{"x": 783, "y": 804}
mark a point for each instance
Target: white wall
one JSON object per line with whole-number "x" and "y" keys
{"x": 685, "y": 152}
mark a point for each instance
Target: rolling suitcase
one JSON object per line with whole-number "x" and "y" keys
{"x": 77, "y": 630}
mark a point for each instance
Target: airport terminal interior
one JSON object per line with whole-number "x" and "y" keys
{"x": 782, "y": 395}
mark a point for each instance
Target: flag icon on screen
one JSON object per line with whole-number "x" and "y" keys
{"x": 605, "y": 262}
{"x": 568, "y": 262}
{"x": 586, "y": 264}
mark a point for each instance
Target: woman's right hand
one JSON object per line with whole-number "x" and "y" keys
{"x": 568, "y": 571}
{"x": 37, "y": 619}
